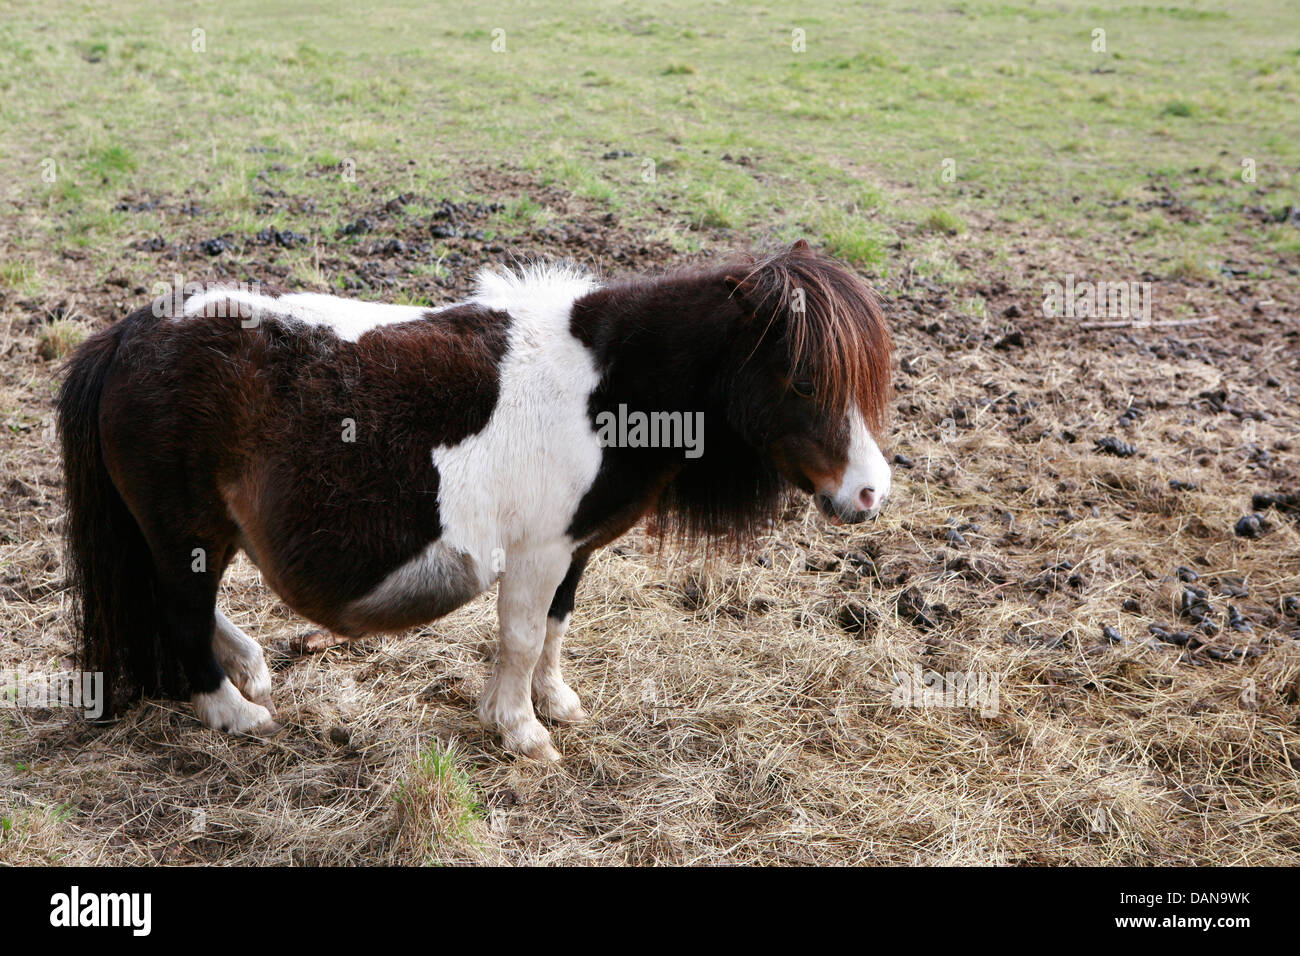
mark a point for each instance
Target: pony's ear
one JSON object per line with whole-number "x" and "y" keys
{"x": 738, "y": 289}
{"x": 801, "y": 248}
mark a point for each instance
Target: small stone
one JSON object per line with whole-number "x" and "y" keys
{"x": 340, "y": 735}
{"x": 1250, "y": 526}
{"x": 1110, "y": 445}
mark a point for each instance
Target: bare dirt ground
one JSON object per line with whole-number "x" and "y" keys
{"x": 743, "y": 707}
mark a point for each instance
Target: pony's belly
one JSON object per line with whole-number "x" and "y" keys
{"x": 433, "y": 584}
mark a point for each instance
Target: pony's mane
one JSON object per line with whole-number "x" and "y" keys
{"x": 838, "y": 338}
{"x": 532, "y": 281}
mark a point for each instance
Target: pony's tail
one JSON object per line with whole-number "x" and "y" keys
{"x": 110, "y": 568}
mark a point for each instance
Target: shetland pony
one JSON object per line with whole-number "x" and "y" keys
{"x": 382, "y": 465}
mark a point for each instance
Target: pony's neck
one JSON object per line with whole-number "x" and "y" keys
{"x": 671, "y": 345}
{"x": 660, "y": 344}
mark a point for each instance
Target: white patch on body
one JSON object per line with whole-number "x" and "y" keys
{"x": 516, "y": 484}
{"x": 506, "y": 494}
{"x": 349, "y": 319}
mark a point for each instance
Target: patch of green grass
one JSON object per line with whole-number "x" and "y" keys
{"x": 1041, "y": 128}
{"x": 526, "y": 211}
{"x": 934, "y": 261}
{"x": 1190, "y": 265}
{"x": 854, "y": 239}
{"x": 433, "y": 268}
{"x": 108, "y": 163}
{"x": 942, "y": 221}
{"x": 19, "y": 276}
{"x": 438, "y": 802}
{"x": 59, "y": 338}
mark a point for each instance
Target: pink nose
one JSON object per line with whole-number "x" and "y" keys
{"x": 868, "y": 498}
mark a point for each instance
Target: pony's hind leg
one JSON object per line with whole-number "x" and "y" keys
{"x": 554, "y": 698}
{"x": 242, "y": 659}
{"x": 188, "y": 599}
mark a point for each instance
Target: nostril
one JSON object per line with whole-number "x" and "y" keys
{"x": 868, "y": 498}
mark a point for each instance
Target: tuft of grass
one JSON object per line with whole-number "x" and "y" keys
{"x": 59, "y": 338}
{"x": 942, "y": 221}
{"x": 1177, "y": 108}
{"x": 437, "y": 804}
{"x": 19, "y": 276}
{"x": 1190, "y": 265}
{"x": 679, "y": 69}
{"x": 854, "y": 239}
{"x": 526, "y": 211}
{"x": 33, "y": 837}
{"x": 110, "y": 162}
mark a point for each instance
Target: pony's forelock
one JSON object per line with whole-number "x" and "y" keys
{"x": 830, "y": 323}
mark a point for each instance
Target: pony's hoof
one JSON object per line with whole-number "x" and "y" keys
{"x": 530, "y": 739}
{"x": 543, "y": 753}
{"x": 227, "y": 710}
{"x": 267, "y": 730}
{"x": 263, "y": 731}
{"x": 573, "y": 715}
{"x": 561, "y": 706}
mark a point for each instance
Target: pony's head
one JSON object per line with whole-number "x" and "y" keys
{"x": 815, "y": 377}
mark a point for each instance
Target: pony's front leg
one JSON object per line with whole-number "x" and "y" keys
{"x": 523, "y": 598}
{"x": 556, "y": 699}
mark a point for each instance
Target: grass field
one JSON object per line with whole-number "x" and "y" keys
{"x": 962, "y": 155}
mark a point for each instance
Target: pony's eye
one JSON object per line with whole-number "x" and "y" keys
{"x": 803, "y": 389}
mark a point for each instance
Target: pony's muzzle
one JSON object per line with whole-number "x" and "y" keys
{"x": 866, "y": 505}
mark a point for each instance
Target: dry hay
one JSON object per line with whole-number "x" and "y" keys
{"x": 741, "y": 706}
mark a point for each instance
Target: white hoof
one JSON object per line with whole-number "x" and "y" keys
{"x": 520, "y": 732}
{"x": 252, "y": 678}
{"x": 227, "y": 710}
{"x": 559, "y": 703}
{"x": 242, "y": 659}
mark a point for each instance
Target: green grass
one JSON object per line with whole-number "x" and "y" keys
{"x": 19, "y": 276}
{"x": 1010, "y": 98}
{"x": 59, "y": 338}
{"x": 942, "y": 221}
{"x": 439, "y": 804}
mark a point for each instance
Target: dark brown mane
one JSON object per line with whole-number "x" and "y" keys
{"x": 839, "y": 339}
